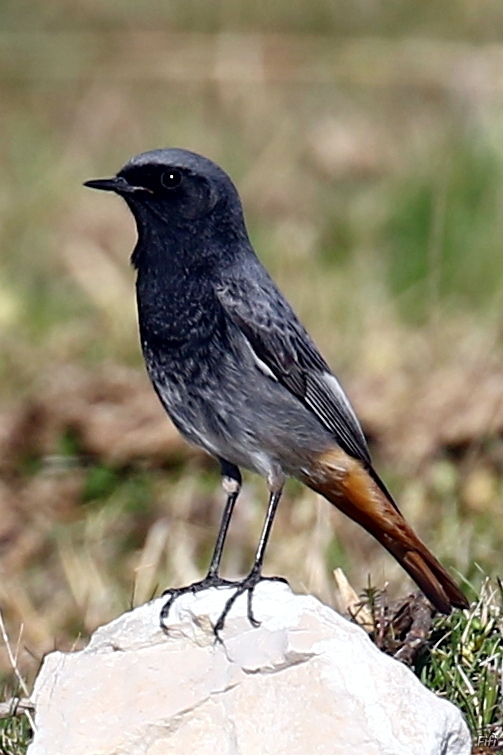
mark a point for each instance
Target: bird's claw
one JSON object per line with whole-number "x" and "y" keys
{"x": 248, "y": 585}
{"x": 211, "y": 580}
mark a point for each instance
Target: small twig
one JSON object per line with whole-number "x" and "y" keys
{"x": 12, "y": 659}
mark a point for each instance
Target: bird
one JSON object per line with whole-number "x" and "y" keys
{"x": 237, "y": 372}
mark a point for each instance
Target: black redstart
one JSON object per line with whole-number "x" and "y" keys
{"x": 237, "y": 372}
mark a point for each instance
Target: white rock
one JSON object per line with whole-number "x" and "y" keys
{"x": 306, "y": 682}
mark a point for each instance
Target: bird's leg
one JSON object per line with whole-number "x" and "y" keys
{"x": 231, "y": 483}
{"x": 275, "y": 483}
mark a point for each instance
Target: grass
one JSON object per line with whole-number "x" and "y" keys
{"x": 15, "y": 735}
{"x": 367, "y": 149}
{"x": 465, "y": 662}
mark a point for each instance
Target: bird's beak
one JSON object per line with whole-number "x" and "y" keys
{"x": 117, "y": 184}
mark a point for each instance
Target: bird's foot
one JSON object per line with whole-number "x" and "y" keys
{"x": 211, "y": 580}
{"x": 246, "y": 585}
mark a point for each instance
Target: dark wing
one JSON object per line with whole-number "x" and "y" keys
{"x": 279, "y": 341}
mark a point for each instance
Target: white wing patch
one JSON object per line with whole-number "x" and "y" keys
{"x": 259, "y": 363}
{"x": 337, "y": 389}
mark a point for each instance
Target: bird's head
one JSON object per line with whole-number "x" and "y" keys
{"x": 175, "y": 196}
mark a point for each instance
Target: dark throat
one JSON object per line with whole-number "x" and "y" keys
{"x": 176, "y": 301}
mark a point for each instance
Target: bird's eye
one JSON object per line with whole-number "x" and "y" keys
{"x": 171, "y": 179}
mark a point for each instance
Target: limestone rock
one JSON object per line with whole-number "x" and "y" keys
{"x": 305, "y": 682}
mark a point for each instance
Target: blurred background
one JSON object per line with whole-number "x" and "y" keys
{"x": 366, "y": 139}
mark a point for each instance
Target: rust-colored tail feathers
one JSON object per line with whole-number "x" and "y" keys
{"x": 346, "y": 483}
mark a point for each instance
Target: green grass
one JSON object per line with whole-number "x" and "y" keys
{"x": 464, "y": 662}
{"x": 441, "y": 220}
{"x": 15, "y": 735}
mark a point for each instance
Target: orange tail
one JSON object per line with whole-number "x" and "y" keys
{"x": 345, "y": 482}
